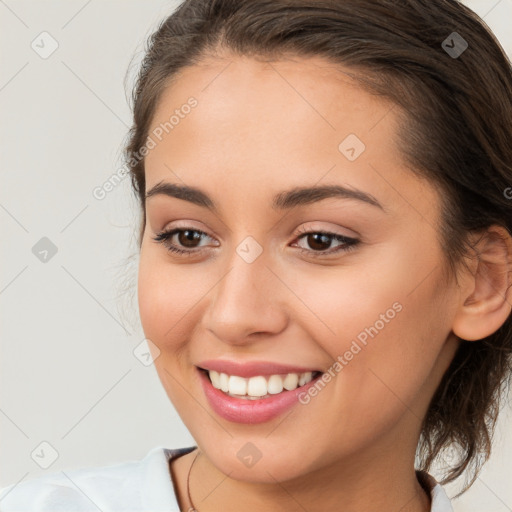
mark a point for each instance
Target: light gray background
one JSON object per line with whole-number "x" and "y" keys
{"x": 68, "y": 374}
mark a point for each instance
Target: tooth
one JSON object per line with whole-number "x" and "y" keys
{"x": 257, "y": 386}
{"x": 304, "y": 378}
{"x": 224, "y": 382}
{"x": 275, "y": 384}
{"x": 290, "y": 381}
{"x": 214, "y": 377}
{"x": 237, "y": 385}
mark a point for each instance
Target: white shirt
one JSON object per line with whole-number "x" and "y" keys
{"x": 136, "y": 485}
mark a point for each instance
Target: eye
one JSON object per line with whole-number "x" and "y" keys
{"x": 320, "y": 242}
{"x": 186, "y": 237}
{"x": 185, "y": 241}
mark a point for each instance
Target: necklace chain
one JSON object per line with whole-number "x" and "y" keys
{"x": 193, "y": 509}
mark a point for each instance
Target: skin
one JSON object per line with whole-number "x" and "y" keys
{"x": 261, "y": 128}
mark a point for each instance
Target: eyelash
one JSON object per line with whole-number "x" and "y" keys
{"x": 349, "y": 243}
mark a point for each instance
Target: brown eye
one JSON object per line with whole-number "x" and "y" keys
{"x": 188, "y": 237}
{"x": 181, "y": 240}
{"x": 319, "y": 242}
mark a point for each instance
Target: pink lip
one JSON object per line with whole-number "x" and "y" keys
{"x": 247, "y": 411}
{"x": 251, "y": 369}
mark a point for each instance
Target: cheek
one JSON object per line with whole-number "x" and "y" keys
{"x": 167, "y": 295}
{"x": 385, "y": 322}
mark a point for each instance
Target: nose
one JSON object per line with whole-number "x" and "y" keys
{"x": 249, "y": 300}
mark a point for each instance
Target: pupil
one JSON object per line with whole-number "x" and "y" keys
{"x": 187, "y": 236}
{"x": 318, "y": 239}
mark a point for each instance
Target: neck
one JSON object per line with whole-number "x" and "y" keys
{"x": 359, "y": 485}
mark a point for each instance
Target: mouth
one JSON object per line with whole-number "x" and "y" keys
{"x": 260, "y": 386}
{"x": 255, "y": 398}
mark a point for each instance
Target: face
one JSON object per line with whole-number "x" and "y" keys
{"x": 347, "y": 280}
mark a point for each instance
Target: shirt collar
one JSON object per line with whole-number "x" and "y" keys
{"x": 439, "y": 498}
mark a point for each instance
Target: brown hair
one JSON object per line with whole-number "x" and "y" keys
{"x": 456, "y": 130}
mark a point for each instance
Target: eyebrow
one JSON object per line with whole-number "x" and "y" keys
{"x": 298, "y": 196}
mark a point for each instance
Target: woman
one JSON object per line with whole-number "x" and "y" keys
{"x": 325, "y": 256}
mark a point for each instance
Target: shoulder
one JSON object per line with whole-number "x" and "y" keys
{"x": 131, "y": 485}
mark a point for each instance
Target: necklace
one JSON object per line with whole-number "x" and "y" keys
{"x": 193, "y": 509}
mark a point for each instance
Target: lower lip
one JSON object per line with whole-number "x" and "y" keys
{"x": 240, "y": 410}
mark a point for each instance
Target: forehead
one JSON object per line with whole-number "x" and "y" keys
{"x": 313, "y": 90}
{"x": 262, "y": 126}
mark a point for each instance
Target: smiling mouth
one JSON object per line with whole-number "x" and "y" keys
{"x": 258, "y": 387}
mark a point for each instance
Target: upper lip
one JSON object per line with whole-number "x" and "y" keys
{"x": 251, "y": 368}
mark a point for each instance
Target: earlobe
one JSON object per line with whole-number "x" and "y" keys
{"x": 486, "y": 296}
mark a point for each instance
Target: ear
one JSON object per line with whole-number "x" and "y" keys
{"x": 486, "y": 292}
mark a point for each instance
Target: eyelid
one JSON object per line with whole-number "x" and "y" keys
{"x": 334, "y": 230}
{"x": 306, "y": 228}
{"x": 184, "y": 225}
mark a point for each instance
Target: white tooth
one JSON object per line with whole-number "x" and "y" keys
{"x": 290, "y": 381}
{"x": 224, "y": 382}
{"x": 214, "y": 377}
{"x": 257, "y": 386}
{"x": 275, "y": 384}
{"x": 237, "y": 385}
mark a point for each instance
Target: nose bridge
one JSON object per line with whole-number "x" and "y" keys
{"x": 248, "y": 298}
